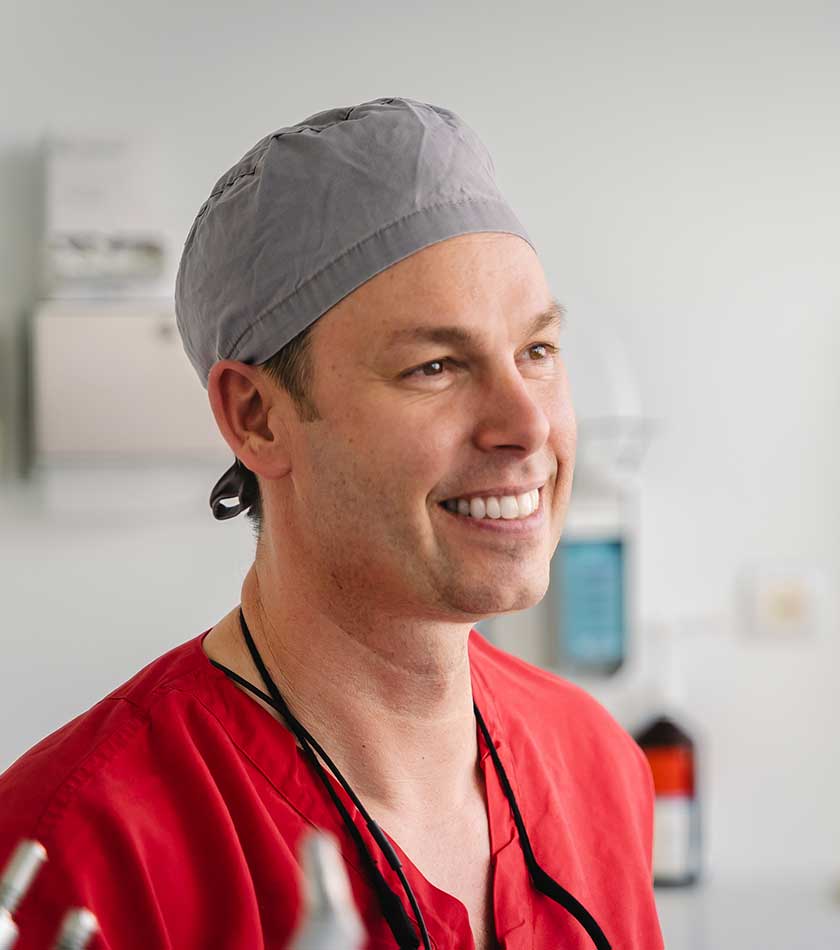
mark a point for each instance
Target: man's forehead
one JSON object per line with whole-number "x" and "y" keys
{"x": 463, "y": 328}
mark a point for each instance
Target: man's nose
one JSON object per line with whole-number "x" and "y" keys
{"x": 512, "y": 414}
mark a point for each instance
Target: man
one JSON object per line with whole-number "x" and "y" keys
{"x": 410, "y": 474}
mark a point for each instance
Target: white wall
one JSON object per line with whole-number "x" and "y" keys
{"x": 677, "y": 166}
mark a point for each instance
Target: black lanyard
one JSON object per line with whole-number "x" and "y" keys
{"x": 392, "y": 907}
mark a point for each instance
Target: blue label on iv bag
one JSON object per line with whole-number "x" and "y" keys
{"x": 587, "y": 587}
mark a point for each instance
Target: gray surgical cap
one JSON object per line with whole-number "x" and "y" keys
{"x": 314, "y": 210}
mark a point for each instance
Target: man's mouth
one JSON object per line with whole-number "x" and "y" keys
{"x": 494, "y": 507}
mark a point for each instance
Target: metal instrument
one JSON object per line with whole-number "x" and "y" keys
{"x": 330, "y": 921}
{"x": 79, "y": 924}
{"x": 20, "y": 871}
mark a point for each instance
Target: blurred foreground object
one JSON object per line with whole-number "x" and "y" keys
{"x": 79, "y": 924}
{"x": 77, "y": 928}
{"x": 331, "y": 921}
{"x": 20, "y": 871}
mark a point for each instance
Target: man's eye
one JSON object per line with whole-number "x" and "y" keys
{"x": 542, "y": 350}
{"x": 432, "y": 368}
{"x": 536, "y": 353}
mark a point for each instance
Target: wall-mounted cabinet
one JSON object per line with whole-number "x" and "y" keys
{"x": 110, "y": 381}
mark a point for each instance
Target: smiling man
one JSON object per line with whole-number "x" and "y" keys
{"x": 382, "y": 354}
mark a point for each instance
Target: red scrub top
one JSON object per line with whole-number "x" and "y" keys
{"x": 174, "y": 808}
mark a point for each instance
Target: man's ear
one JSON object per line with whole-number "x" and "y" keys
{"x": 250, "y": 412}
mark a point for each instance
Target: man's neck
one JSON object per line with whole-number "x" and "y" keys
{"x": 389, "y": 700}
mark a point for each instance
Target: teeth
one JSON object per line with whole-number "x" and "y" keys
{"x": 494, "y": 508}
{"x": 507, "y": 507}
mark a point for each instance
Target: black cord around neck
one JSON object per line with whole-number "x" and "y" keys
{"x": 542, "y": 880}
{"x": 392, "y": 908}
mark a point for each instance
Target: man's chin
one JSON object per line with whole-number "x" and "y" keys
{"x": 486, "y": 600}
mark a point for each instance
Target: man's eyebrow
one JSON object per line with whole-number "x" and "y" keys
{"x": 553, "y": 315}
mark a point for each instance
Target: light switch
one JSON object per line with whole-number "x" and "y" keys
{"x": 782, "y": 601}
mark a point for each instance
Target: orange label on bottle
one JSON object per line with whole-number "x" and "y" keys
{"x": 673, "y": 769}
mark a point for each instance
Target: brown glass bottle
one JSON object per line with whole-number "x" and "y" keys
{"x": 676, "y": 839}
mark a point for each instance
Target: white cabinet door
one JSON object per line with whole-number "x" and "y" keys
{"x": 111, "y": 380}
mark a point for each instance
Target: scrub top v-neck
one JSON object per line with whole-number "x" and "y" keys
{"x": 175, "y": 808}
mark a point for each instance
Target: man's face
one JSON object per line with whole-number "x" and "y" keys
{"x": 435, "y": 382}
